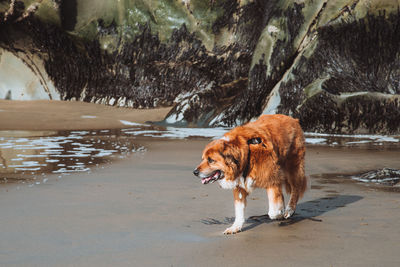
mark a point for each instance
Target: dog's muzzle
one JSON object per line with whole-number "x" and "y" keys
{"x": 205, "y": 179}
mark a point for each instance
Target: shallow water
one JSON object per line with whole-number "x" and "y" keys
{"x": 310, "y": 138}
{"x": 352, "y": 140}
{"x": 32, "y": 155}
{"x": 29, "y": 156}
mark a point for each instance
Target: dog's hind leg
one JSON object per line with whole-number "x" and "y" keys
{"x": 296, "y": 183}
{"x": 239, "y": 194}
{"x": 291, "y": 206}
{"x": 275, "y": 202}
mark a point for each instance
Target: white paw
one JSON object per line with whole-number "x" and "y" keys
{"x": 233, "y": 229}
{"x": 276, "y": 215}
{"x": 288, "y": 212}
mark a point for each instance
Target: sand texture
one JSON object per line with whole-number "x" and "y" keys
{"x": 70, "y": 115}
{"x": 149, "y": 210}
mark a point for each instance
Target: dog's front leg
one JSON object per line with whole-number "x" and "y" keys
{"x": 276, "y": 203}
{"x": 239, "y": 195}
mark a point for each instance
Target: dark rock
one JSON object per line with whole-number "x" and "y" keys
{"x": 385, "y": 176}
{"x": 354, "y": 77}
{"x": 335, "y": 65}
{"x": 68, "y": 14}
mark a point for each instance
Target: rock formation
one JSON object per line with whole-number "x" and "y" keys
{"x": 335, "y": 65}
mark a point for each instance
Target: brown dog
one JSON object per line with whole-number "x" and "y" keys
{"x": 268, "y": 153}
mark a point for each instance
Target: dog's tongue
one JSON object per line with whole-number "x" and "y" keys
{"x": 207, "y": 179}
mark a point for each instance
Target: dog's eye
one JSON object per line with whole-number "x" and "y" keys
{"x": 210, "y": 160}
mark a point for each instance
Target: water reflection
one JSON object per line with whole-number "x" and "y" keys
{"x": 348, "y": 140}
{"x": 25, "y": 155}
{"x": 31, "y": 155}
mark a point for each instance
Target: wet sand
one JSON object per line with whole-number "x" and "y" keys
{"x": 149, "y": 210}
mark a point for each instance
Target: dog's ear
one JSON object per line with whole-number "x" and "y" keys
{"x": 254, "y": 141}
{"x": 233, "y": 156}
{"x": 263, "y": 144}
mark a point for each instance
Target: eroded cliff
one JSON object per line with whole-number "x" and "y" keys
{"x": 335, "y": 65}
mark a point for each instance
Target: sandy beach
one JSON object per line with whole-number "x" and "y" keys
{"x": 147, "y": 209}
{"x": 70, "y": 115}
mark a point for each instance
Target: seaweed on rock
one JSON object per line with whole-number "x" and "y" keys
{"x": 333, "y": 68}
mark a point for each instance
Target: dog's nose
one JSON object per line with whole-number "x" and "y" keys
{"x": 196, "y": 172}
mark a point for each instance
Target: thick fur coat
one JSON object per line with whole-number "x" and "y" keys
{"x": 267, "y": 153}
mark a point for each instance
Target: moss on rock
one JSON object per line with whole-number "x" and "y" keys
{"x": 220, "y": 62}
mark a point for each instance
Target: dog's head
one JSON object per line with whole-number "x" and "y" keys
{"x": 221, "y": 159}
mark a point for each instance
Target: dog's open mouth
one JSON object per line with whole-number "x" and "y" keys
{"x": 213, "y": 177}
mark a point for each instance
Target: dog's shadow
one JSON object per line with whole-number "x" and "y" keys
{"x": 304, "y": 211}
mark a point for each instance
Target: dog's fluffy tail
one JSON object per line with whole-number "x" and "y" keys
{"x": 297, "y": 179}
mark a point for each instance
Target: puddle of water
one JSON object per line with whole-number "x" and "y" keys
{"x": 215, "y": 133}
{"x": 30, "y": 155}
{"x": 88, "y": 117}
{"x": 386, "y": 179}
{"x": 358, "y": 140}
{"x": 175, "y": 132}
{"x": 26, "y": 155}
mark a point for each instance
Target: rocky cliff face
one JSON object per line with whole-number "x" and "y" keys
{"x": 333, "y": 64}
